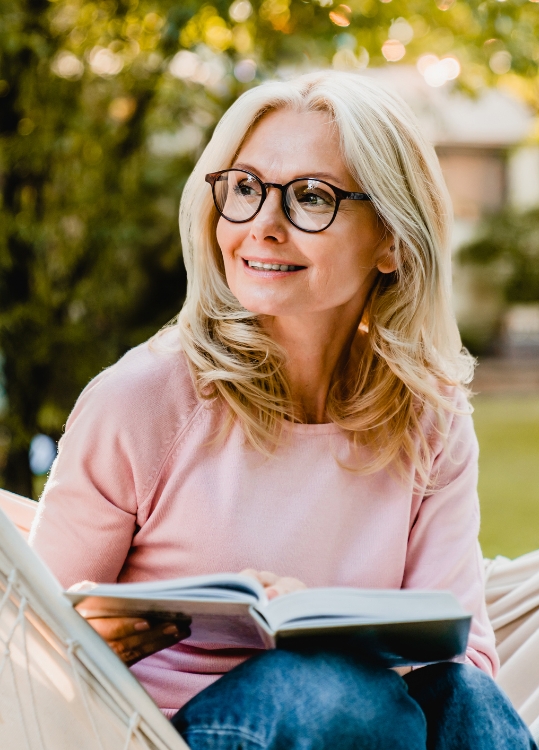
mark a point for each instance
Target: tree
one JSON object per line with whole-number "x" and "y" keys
{"x": 105, "y": 105}
{"x": 508, "y": 246}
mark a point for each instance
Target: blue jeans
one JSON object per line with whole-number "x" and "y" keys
{"x": 282, "y": 700}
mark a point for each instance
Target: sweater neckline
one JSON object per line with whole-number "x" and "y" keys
{"x": 300, "y": 428}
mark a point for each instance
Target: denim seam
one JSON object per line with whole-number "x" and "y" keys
{"x": 245, "y": 734}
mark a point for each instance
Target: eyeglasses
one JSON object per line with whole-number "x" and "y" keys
{"x": 308, "y": 203}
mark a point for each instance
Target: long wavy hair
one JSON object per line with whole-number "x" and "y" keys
{"x": 414, "y": 348}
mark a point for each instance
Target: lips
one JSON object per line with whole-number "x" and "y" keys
{"x": 261, "y": 266}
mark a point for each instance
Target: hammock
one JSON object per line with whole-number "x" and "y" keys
{"x": 512, "y": 594}
{"x": 62, "y": 688}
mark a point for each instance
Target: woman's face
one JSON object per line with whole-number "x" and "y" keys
{"x": 335, "y": 269}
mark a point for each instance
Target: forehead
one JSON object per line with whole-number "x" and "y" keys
{"x": 285, "y": 144}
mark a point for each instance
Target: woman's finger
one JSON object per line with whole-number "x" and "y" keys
{"x": 136, "y": 651}
{"x": 274, "y": 585}
{"x": 265, "y": 577}
{"x": 284, "y": 586}
{"x": 252, "y": 573}
{"x": 116, "y": 628}
{"x": 112, "y": 628}
{"x": 139, "y": 640}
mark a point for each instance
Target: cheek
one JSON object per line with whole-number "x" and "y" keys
{"x": 346, "y": 258}
{"x": 340, "y": 277}
{"x": 345, "y": 268}
{"x": 229, "y": 238}
{"x": 223, "y": 236}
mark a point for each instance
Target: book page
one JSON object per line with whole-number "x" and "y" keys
{"x": 217, "y": 586}
{"x": 359, "y": 605}
{"x": 214, "y": 624}
{"x": 218, "y": 606}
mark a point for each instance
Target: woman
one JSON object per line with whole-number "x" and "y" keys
{"x": 304, "y": 420}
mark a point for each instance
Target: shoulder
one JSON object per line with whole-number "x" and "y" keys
{"x": 150, "y": 381}
{"x": 451, "y": 432}
{"x": 128, "y": 417}
{"x": 135, "y": 409}
{"x": 459, "y": 420}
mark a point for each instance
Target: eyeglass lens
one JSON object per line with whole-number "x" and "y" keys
{"x": 310, "y": 204}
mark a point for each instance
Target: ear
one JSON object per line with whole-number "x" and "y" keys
{"x": 386, "y": 262}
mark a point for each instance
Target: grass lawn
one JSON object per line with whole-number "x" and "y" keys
{"x": 508, "y": 432}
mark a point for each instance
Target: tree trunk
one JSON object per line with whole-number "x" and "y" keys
{"x": 17, "y": 474}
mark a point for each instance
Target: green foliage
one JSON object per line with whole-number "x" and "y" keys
{"x": 104, "y": 106}
{"x": 508, "y": 245}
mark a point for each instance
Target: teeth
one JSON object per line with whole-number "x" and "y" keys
{"x": 271, "y": 266}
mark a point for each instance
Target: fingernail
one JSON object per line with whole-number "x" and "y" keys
{"x": 142, "y": 625}
{"x": 170, "y": 630}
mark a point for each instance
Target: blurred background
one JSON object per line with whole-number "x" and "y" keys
{"x": 104, "y": 108}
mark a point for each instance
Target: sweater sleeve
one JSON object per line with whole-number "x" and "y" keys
{"x": 109, "y": 457}
{"x": 443, "y": 548}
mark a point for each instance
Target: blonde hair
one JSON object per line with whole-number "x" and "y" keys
{"x": 414, "y": 345}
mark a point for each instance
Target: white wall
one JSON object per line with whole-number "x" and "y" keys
{"x": 523, "y": 177}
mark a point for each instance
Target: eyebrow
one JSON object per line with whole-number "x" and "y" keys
{"x": 321, "y": 175}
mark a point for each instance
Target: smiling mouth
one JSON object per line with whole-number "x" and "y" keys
{"x": 258, "y": 266}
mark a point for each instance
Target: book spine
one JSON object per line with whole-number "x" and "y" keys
{"x": 265, "y": 632}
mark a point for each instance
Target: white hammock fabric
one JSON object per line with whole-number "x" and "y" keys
{"x": 20, "y": 510}
{"x": 62, "y": 688}
{"x": 512, "y": 593}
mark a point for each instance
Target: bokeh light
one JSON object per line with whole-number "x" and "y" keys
{"x": 245, "y": 71}
{"x": 437, "y": 72}
{"x": 401, "y": 30}
{"x": 393, "y": 50}
{"x": 122, "y": 108}
{"x": 346, "y": 59}
{"x": 67, "y": 65}
{"x": 341, "y": 16}
{"x": 190, "y": 66}
{"x": 104, "y": 62}
{"x": 240, "y": 10}
{"x": 500, "y": 62}
{"x": 425, "y": 61}
{"x": 41, "y": 455}
{"x": 184, "y": 64}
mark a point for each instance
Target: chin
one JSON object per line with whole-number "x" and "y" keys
{"x": 271, "y": 307}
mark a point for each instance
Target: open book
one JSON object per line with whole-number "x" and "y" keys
{"x": 394, "y": 627}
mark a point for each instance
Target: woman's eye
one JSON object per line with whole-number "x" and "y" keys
{"x": 314, "y": 199}
{"x": 245, "y": 190}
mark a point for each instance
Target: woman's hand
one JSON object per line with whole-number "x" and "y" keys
{"x": 274, "y": 585}
{"x": 135, "y": 638}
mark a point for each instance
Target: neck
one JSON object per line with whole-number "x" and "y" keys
{"x": 317, "y": 347}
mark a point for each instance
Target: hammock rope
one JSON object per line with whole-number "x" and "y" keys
{"x": 6, "y": 654}
{"x": 134, "y": 737}
{"x": 22, "y": 609}
{"x": 72, "y": 645}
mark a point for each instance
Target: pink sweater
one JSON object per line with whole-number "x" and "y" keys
{"x": 140, "y": 492}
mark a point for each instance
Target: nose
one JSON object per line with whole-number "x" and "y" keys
{"x": 270, "y": 223}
